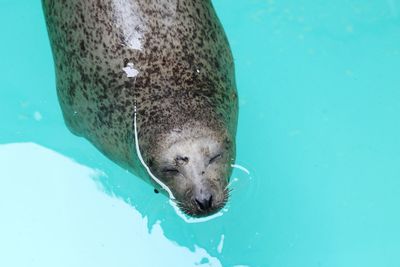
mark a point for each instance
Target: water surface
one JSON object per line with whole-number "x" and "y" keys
{"x": 318, "y": 132}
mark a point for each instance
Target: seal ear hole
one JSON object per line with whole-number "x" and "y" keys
{"x": 215, "y": 158}
{"x": 150, "y": 163}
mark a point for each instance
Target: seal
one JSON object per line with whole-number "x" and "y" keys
{"x": 151, "y": 84}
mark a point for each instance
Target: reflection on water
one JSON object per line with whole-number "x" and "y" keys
{"x": 54, "y": 214}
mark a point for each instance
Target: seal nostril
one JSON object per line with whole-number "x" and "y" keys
{"x": 199, "y": 204}
{"x": 204, "y": 204}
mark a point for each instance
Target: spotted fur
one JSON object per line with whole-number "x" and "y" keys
{"x": 186, "y": 72}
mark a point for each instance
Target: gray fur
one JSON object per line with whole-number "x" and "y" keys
{"x": 185, "y": 87}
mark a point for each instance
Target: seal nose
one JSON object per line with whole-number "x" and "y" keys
{"x": 204, "y": 203}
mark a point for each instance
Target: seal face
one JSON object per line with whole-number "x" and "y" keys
{"x": 195, "y": 163}
{"x": 160, "y": 72}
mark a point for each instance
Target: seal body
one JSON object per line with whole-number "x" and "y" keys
{"x": 150, "y": 77}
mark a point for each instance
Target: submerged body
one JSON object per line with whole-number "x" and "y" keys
{"x": 159, "y": 72}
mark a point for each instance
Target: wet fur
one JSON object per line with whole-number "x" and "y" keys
{"x": 186, "y": 73}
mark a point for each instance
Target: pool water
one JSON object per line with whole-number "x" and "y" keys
{"x": 318, "y": 140}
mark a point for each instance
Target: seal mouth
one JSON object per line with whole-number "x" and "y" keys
{"x": 197, "y": 209}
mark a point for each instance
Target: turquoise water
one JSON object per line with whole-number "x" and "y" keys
{"x": 319, "y": 133}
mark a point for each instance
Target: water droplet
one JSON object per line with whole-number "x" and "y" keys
{"x": 37, "y": 116}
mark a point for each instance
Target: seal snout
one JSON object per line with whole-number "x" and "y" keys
{"x": 206, "y": 203}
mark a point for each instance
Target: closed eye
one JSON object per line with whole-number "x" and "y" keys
{"x": 215, "y": 158}
{"x": 170, "y": 171}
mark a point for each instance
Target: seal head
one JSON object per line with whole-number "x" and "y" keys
{"x": 194, "y": 163}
